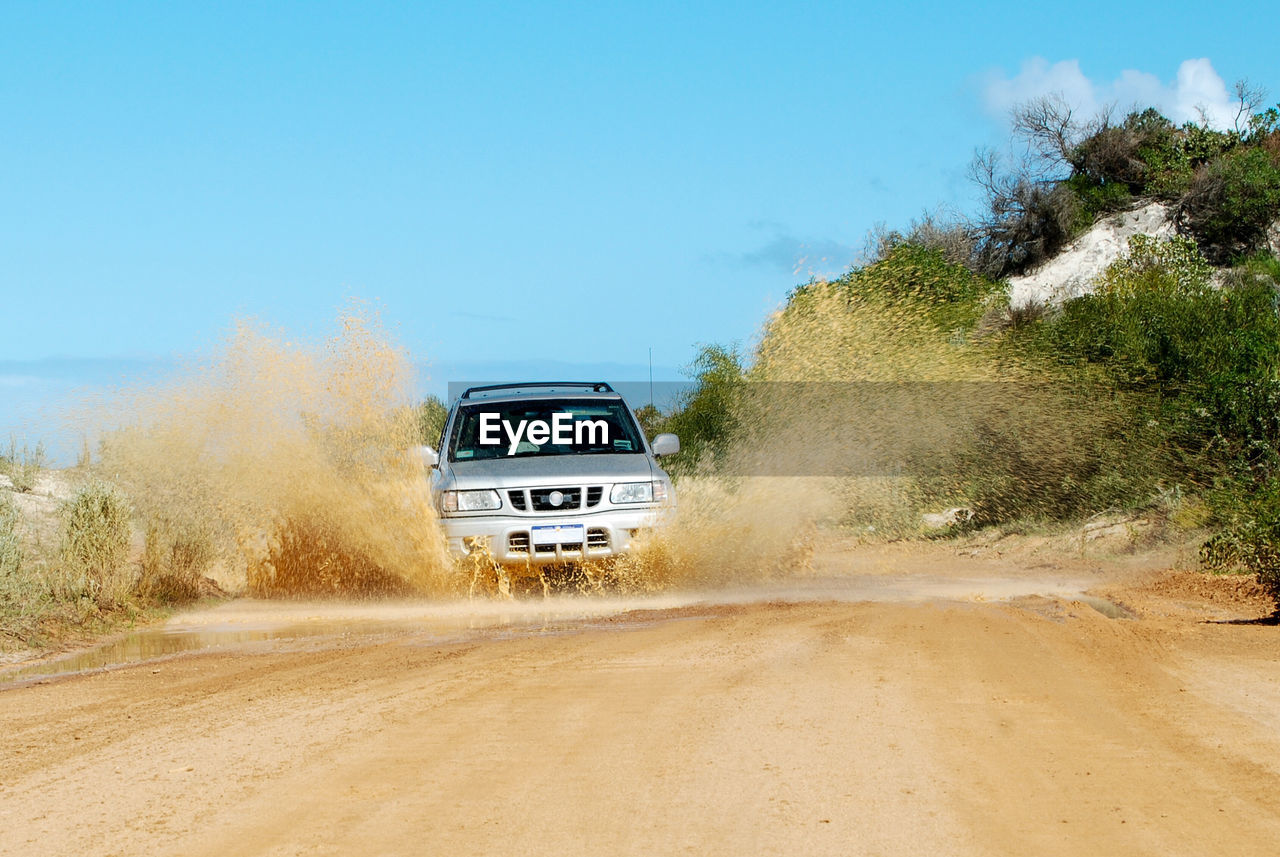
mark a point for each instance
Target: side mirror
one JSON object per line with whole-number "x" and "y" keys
{"x": 666, "y": 444}
{"x": 427, "y": 455}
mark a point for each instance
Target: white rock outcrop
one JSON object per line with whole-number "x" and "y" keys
{"x": 1071, "y": 273}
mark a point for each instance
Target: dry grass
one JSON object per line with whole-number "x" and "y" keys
{"x": 10, "y": 545}
{"x": 22, "y": 466}
{"x": 175, "y": 557}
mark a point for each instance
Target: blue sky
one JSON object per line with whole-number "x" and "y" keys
{"x": 572, "y": 182}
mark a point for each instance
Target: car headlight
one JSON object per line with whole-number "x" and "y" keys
{"x": 638, "y": 492}
{"x": 470, "y": 501}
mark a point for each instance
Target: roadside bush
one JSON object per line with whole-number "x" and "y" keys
{"x": 432, "y": 413}
{"x": 651, "y": 420}
{"x": 707, "y": 416}
{"x": 1173, "y": 382}
{"x": 1156, "y": 319}
{"x": 1053, "y": 455}
{"x": 95, "y": 546}
{"x": 10, "y": 546}
{"x": 24, "y": 592}
{"x": 1252, "y": 539}
{"x": 175, "y": 557}
{"x": 1231, "y": 202}
{"x": 22, "y": 466}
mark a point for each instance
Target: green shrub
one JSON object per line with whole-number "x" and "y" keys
{"x": 1156, "y": 319}
{"x": 921, "y": 281}
{"x": 1173, "y": 155}
{"x": 651, "y": 420}
{"x": 916, "y": 273}
{"x": 1173, "y": 265}
{"x": 1055, "y": 455}
{"x": 1231, "y": 202}
{"x": 707, "y": 416}
{"x": 1258, "y": 269}
{"x": 1252, "y": 539}
{"x": 1174, "y": 383}
{"x": 432, "y": 413}
{"x": 95, "y": 546}
{"x": 953, "y": 239}
{"x": 25, "y": 598}
{"x": 1096, "y": 198}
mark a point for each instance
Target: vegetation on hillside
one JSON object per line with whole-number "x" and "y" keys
{"x": 1224, "y": 185}
{"x": 1159, "y": 391}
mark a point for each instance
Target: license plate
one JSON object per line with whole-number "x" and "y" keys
{"x": 558, "y": 534}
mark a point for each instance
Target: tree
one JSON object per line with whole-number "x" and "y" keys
{"x": 432, "y": 413}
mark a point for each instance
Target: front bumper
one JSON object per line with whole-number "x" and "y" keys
{"x": 508, "y": 537}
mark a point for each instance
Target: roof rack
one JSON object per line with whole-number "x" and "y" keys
{"x": 593, "y": 386}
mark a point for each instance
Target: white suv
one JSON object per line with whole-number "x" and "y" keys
{"x": 547, "y": 473}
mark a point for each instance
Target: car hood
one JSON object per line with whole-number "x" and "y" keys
{"x": 551, "y": 470}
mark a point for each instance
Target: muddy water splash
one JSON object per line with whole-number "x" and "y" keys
{"x": 291, "y": 459}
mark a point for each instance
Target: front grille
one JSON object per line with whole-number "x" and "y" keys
{"x": 517, "y": 499}
{"x": 567, "y": 547}
{"x": 597, "y": 539}
{"x": 594, "y": 493}
{"x": 541, "y": 498}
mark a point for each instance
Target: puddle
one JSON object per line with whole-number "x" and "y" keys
{"x": 140, "y": 647}
{"x": 248, "y": 626}
{"x": 272, "y": 626}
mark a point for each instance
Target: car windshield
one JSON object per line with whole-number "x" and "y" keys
{"x": 543, "y": 427}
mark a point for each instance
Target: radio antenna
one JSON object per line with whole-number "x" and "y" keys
{"x": 651, "y": 376}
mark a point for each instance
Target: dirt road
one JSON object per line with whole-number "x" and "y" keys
{"x": 829, "y": 727}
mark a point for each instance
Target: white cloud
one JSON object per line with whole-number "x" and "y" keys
{"x": 1196, "y": 87}
{"x": 820, "y": 258}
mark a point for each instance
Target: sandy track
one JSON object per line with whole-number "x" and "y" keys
{"x": 822, "y": 728}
